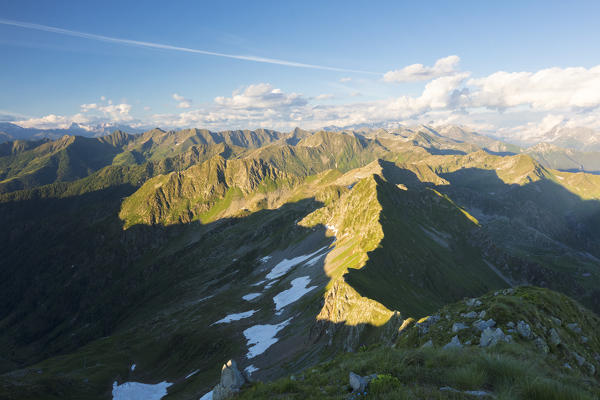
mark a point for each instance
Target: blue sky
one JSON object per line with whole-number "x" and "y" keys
{"x": 45, "y": 73}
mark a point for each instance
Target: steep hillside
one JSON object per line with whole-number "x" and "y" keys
{"x": 284, "y": 251}
{"x": 526, "y": 343}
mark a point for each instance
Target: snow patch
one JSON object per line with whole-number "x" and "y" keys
{"x": 271, "y": 284}
{"x": 285, "y": 265}
{"x": 250, "y": 296}
{"x": 332, "y": 228}
{"x": 314, "y": 260}
{"x": 192, "y": 373}
{"x": 250, "y": 369}
{"x": 235, "y": 317}
{"x": 132, "y": 367}
{"x": 259, "y": 283}
{"x": 265, "y": 259}
{"x": 261, "y": 337}
{"x": 139, "y": 391}
{"x": 207, "y": 396}
{"x": 299, "y": 288}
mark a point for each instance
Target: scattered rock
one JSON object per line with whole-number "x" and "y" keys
{"x": 510, "y": 324}
{"x": 428, "y": 343}
{"x": 449, "y": 389}
{"x": 580, "y": 359}
{"x": 357, "y": 383}
{"x": 583, "y": 340}
{"x": 524, "y": 329}
{"x": 468, "y": 343}
{"x": 458, "y": 326}
{"x": 567, "y": 365}
{"x": 556, "y": 321}
{"x": 554, "y": 338}
{"x": 470, "y": 314}
{"x": 425, "y": 325}
{"x": 473, "y": 302}
{"x": 231, "y": 381}
{"x": 574, "y": 327}
{"x": 491, "y": 337}
{"x": 589, "y": 368}
{"x": 541, "y": 345}
{"x": 454, "y": 344}
{"x": 483, "y": 325}
{"x": 478, "y": 393}
{"x": 506, "y": 292}
{"x": 482, "y": 314}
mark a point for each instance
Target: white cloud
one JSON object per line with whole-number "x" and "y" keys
{"x": 91, "y": 114}
{"x": 516, "y": 105}
{"x": 261, "y": 96}
{"x": 183, "y": 102}
{"x": 345, "y": 79}
{"x": 419, "y": 72}
{"x": 324, "y": 96}
{"x": 547, "y": 89}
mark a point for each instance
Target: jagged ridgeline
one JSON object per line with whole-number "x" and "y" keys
{"x": 144, "y": 262}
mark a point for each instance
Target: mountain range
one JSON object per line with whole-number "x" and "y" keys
{"x": 436, "y": 261}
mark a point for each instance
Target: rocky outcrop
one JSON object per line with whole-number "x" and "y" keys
{"x": 231, "y": 381}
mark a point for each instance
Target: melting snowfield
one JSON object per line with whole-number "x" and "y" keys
{"x": 235, "y": 317}
{"x": 250, "y": 369}
{"x": 314, "y": 260}
{"x": 207, "y": 396}
{"x": 261, "y": 337}
{"x": 285, "y": 265}
{"x": 139, "y": 391}
{"x": 299, "y": 288}
{"x": 192, "y": 374}
{"x": 250, "y": 296}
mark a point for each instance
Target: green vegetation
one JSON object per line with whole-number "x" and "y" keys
{"x": 125, "y": 249}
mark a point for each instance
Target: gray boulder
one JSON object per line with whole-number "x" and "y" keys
{"x": 556, "y": 321}
{"x": 231, "y": 381}
{"x": 589, "y": 368}
{"x": 470, "y": 314}
{"x": 541, "y": 345}
{"x": 357, "y": 382}
{"x": 424, "y": 326}
{"x": 491, "y": 337}
{"x": 428, "y": 343}
{"x": 473, "y": 302}
{"x": 483, "y": 325}
{"x": 454, "y": 344}
{"x": 574, "y": 327}
{"x": 583, "y": 340}
{"x": 524, "y": 329}
{"x": 458, "y": 326}
{"x": 579, "y": 358}
{"x": 554, "y": 338}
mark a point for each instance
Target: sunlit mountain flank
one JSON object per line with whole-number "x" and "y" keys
{"x": 299, "y": 201}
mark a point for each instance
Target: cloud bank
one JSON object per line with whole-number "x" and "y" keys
{"x": 512, "y": 104}
{"x": 419, "y": 72}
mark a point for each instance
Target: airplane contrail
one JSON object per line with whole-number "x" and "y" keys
{"x": 91, "y": 36}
